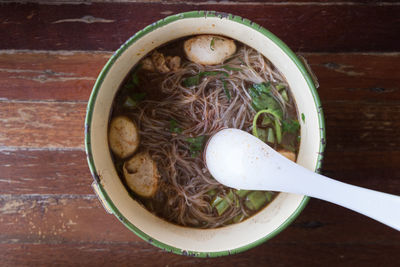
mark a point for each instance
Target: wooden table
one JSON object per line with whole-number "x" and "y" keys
{"x": 50, "y": 56}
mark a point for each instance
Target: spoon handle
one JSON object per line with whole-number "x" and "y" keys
{"x": 382, "y": 207}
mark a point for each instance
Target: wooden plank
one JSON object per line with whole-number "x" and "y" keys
{"x": 368, "y": 77}
{"x": 69, "y": 76}
{"x": 105, "y": 26}
{"x": 44, "y": 172}
{"x": 42, "y": 124}
{"x": 351, "y": 125}
{"x": 376, "y": 170}
{"x": 61, "y": 171}
{"x": 49, "y": 76}
{"x": 55, "y": 219}
{"x": 362, "y": 126}
{"x": 145, "y": 255}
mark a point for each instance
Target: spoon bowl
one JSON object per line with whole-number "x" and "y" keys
{"x": 240, "y": 160}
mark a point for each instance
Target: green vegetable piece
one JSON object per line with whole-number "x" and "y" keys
{"x": 270, "y": 136}
{"x": 303, "y": 117}
{"x": 241, "y": 192}
{"x": 280, "y": 86}
{"x": 262, "y": 98}
{"x": 222, "y": 204}
{"x": 238, "y": 218}
{"x": 191, "y": 81}
{"x": 263, "y": 87}
{"x": 135, "y": 78}
{"x": 291, "y": 126}
{"x": 133, "y": 100}
{"x": 255, "y": 200}
{"x": 174, "y": 126}
{"x": 196, "y": 144}
{"x": 285, "y": 95}
{"x": 227, "y": 67}
{"x": 212, "y": 44}
{"x": 278, "y": 131}
{"x": 269, "y": 195}
{"x": 266, "y": 121}
{"x": 129, "y": 103}
{"x": 277, "y": 123}
{"x": 195, "y": 80}
{"x": 225, "y": 84}
{"x": 262, "y": 134}
{"x": 216, "y": 200}
{"x": 212, "y": 192}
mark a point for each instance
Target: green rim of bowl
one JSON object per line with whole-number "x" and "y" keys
{"x": 120, "y": 51}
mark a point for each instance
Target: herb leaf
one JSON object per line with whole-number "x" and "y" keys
{"x": 228, "y": 94}
{"x": 227, "y": 67}
{"x": 262, "y": 98}
{"x": 195, "y": 79}
{"x": 291, "y": 126}
{"x": 174, "y": 126}
{"x": 196, "y": 144}
{"x": 303, "y": 117}
{"x": 133, "y": 100}
{"x": 212, "y": 44}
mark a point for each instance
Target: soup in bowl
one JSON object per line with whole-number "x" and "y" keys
{"x": 157, "y": 101}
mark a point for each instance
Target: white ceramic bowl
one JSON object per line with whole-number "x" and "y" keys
{"x": 183, "y": 240}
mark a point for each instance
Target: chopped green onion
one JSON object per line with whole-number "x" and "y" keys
{"x": 277, "y": 123}
{"x": 238, "y": 218}
{"x": 222, "y": 204}
{"x": 255, "y": 200}
{"x": 212, "y": 192}
{"x": 285, "y": 95}
{"x": 241, "y": 192}
{"x": 269, "y": 195}
{"x": 266, "y": 121}
{"x": 303, "y": 117}
{"x": 174, "y": 126}
{"x": 262, "y": 134}
{"x": 270, "y": 136}
{"x": 280, "y": 86}
{"x": 216, "y": 200}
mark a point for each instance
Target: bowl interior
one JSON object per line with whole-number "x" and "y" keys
{"x": 201, "y": 242}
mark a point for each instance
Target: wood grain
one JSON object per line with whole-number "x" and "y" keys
{"x": 146, "y": 255}
{"x": 66, "y": 172}
{"x": 49, "y": 76}
{"x": 56, "y": 219}
{"x": 351, "y": 125}
{"x": 105, "y": 26}
{"x": 44, "y": 172}
{"x": 42, "y": 124}
{"x": 69, "y": 76}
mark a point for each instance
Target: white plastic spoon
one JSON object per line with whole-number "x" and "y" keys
{"x": 240, "y": 160}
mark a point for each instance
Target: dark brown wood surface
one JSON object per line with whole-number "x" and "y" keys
{"x": 49, "y": 214}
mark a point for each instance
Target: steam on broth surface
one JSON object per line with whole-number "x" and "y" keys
{"x": 174, "y": 105}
